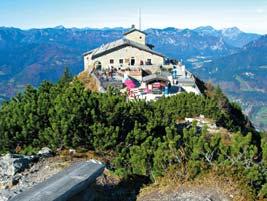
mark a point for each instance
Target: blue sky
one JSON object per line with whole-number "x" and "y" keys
{"x": 248, "y": 15}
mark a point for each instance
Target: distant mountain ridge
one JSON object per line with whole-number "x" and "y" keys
{"x": 30, "y": 56}
{"x": 229, "y": 57}
{"x": 186, "y": 43}
{"x": 251, "y": 57}
{"x": 243, "y": 76}
{"x": 232, "y": 36}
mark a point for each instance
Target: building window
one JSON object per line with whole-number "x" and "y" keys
{"x": 149, "y": 62}
{"x": 132, "y": 62}
{"x": 111, "y": 61}
{"x": 121, "y": 61}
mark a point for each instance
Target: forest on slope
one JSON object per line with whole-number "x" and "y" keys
{"x": 139, "y": 138}
{"x": 243, "y": 77}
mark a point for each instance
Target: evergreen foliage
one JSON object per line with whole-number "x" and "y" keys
{"x": 145, "y": 137}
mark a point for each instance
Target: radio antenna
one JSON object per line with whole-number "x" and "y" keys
{"x": 140, "y": 19}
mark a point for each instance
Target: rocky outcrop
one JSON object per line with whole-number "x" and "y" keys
{"x": 193, "y": 194}
{"x": 65, "y": 184}
{"x": 45, "y": 152}
{"x": 10, "y": 167}
{"x": 19, "y": 172}
{"x": 90, "y": 81}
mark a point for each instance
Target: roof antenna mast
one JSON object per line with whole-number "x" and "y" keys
{"x": 140, "y": 19}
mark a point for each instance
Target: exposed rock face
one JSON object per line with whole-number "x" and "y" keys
{"x": 20, "y": 172}
{"x": 194, "y": 194}
{"x": 38, "y": 172}
{"x": 10, "y": 166}
{"x": 45, "y": 152}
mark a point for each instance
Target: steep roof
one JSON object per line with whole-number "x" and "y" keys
{"x": 133, "y": 30}
{"x": 118, "y": 44}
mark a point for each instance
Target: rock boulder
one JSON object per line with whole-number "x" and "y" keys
{"x": 45, "y": 152}
{"x": 10, "y": 165}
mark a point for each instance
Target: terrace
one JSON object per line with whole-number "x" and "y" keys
{"x": 152, "y": 87}
{"x": 144, "y": 84}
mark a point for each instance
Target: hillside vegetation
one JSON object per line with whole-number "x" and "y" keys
{"x": 224, "y": 55}
{"x": 243, "y": 77}
{"x": 88, "y": 81}
{"x": 140, "y": 138}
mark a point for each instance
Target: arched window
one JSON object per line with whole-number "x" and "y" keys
{"x": 97, "y": 65}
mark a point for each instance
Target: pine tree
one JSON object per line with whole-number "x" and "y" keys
{"x": 66, "y": 77}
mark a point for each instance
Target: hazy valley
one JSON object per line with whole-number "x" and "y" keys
{"x": 234, "y": 59}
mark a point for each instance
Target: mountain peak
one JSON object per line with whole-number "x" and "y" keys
{"x": 231, "y": 31}
{"x": 259, "y": 43}
{"x": 173, "y": 29}
{"x": 207, "y": 30}
{"x": 59, "y": 27}
{"x": 204, "y": 28}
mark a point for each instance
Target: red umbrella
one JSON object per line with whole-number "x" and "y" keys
{"x": 157, "y": 85}
{"x": 129, "y": 84}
